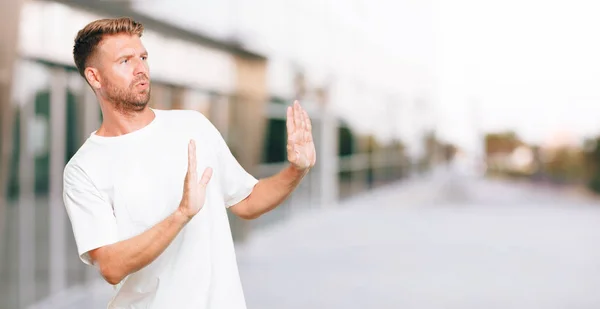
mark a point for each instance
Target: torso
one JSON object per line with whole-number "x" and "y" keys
{"x": 143, "y": 178}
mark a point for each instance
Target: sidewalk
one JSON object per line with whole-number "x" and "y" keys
{"x": 508, "y": 248}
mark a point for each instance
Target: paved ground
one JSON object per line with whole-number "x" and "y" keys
{"x": 448, "y": 243}
{"x": 443, "y": 242}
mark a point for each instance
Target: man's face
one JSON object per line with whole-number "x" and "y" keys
{"x": 124, "y": 78}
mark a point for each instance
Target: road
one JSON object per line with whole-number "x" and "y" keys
{"x": 445, "y": 241}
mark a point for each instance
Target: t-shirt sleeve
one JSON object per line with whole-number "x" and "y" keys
{"x": 235, "y": 182}
{"x": 92, "y": 218}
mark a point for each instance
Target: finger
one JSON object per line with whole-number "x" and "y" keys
{"x": 290, "y": 121}
{"x": 192, "y": 158}
{"x": 307, "y": 121}
{"x": 304, "y": 125}
{"x": 298, "y": 116}
{"x": 299, "y": 121}
{"x": 308, "y": 126}
{"x": 206, "y": 177}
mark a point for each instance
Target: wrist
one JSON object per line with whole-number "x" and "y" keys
{"x": 298, "y": 171}
{"x": 180, "y": 217}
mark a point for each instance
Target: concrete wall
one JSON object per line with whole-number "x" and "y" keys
{"x": 249, "y": 110}
{"x": 247, "y": 133}
{"x": 9, "y": 15}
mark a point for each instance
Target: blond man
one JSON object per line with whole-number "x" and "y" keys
{"x": 147, "y": 192}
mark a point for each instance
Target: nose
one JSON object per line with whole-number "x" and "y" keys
{"x": 141, "y": 67}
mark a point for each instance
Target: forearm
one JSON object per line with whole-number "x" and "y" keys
{"x": 118, "y": 260}
{"x": 272, "y": 191}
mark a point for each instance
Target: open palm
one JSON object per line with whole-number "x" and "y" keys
{"x": 300, "y": 144}
{"x": 194, "y": 190}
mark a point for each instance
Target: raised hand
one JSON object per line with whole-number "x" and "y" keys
{"x": 194, "y": 190}
{"x": 300, "y": 145}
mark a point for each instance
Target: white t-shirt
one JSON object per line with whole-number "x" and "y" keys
{"x": 118, "y": 187}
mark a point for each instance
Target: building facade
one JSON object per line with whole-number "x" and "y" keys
{"x": 48, "y": 111}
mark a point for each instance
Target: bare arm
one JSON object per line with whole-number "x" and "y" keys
{"x": 272, "y": 191}
{"x": 268, "y": 193}
{"x": 120, "y": 259}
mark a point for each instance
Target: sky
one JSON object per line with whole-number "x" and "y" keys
{"x": 530, "y": 66}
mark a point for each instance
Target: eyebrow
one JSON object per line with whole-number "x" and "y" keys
{"x": 130, "y": 55}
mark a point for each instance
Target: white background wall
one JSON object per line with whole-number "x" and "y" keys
{"x": 48, "y": 30}
{"x": 370, "y": 52}
{"x": 376, "y": 56}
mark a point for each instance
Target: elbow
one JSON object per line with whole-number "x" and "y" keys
{"x": 111, "y": 277}
{"x": 112, "y": 280}
{"x": 111, "y": 274}
{"x": 250, "y": 216}
{"x": 108, "y": 270}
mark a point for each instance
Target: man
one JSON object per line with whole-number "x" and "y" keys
{"x": 147, "y": 192}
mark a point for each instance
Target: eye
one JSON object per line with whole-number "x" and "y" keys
{"x": 144, "y": 58}
{"x": 124, "y": 60}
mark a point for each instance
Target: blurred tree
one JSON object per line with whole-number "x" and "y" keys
{"x": 449, "y": 152}
{"x": 565, "y": 164}
{"x": 592, "y": 163}
{"x": 501, "y": 143}
{"x": 499, "y": 147}
{"x": 436, "y": 150}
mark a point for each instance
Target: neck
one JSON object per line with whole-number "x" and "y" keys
{"x": 115, "y": 122}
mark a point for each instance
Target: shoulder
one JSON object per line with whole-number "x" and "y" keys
{"x": 74, "y": 175}
{"x": 87, "y": 157}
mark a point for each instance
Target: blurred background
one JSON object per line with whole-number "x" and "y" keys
{"x": 458, "y": 159}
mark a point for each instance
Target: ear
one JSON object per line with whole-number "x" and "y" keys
{"x": 93, "y": 77}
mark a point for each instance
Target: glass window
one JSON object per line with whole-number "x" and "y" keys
{"x": 28, "y": 181}
{"x": 275, "y": 141}
{"x": 35, "y": 84}
{"x": 345, "y": 141}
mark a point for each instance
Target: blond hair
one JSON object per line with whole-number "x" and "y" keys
{"x": 91, "y": 35}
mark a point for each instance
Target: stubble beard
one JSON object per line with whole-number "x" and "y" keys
{"x": 130, "y": 100}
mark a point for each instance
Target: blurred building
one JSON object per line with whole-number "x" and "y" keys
{"x": 48, "y": 111}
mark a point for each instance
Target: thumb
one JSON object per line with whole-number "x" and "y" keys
{"x": 206, "y": 177}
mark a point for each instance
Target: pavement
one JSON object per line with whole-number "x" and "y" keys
{"x": 443, "y": 241}
{"x": 448, "y": 242}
